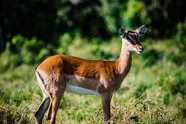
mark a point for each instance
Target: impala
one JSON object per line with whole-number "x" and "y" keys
{"x": 60, "y": 73}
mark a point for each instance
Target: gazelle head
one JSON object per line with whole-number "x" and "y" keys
{"x": 131, "y": 37}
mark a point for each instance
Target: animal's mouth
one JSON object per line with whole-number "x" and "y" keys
{"x": 140, "y": 51}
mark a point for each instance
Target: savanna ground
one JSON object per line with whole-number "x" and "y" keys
{"x": 154, "y": 92}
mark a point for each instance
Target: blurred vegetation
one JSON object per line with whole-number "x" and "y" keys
{"x": 153, "y": 92}
{"x": 47, "y": 20}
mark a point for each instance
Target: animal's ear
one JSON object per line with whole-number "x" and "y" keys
{"x": 142, "y": 29}
{"x": 121, "y": 31}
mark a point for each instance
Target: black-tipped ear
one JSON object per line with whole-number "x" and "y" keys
{"x": 121, "y": 31}
{"x": 142, "y": 29}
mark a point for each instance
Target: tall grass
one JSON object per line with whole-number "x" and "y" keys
{"x": 153, "y": 92}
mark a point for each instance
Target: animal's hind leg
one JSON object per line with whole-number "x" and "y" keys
{"x": 54, "y": 104}
{"x": 42, "y": 109}
{"x": 46, "y": 100}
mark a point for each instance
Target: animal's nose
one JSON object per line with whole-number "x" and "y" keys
{"x": 141, "y": 48}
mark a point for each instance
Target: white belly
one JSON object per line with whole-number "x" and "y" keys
{"x": 80, "y": 90}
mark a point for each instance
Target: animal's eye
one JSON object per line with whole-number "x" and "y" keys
{"x": 129, "y": 38}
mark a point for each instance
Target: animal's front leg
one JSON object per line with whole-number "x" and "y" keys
{"x": 106, "y": 99}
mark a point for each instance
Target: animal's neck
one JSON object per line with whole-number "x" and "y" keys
{"x": 125, "y": 60}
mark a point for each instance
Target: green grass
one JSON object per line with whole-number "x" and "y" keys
{"x": 154, "y": 92}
